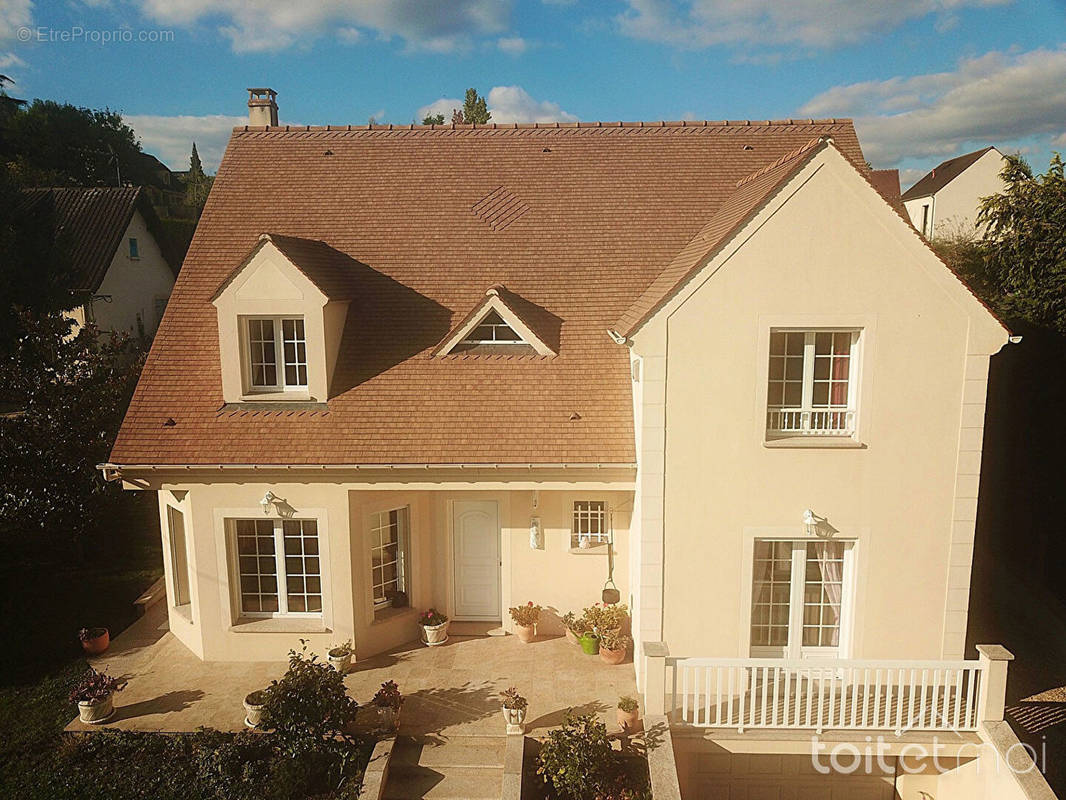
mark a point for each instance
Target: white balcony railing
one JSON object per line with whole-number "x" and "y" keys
{"x": 810, "y": 422}
{"x": 819, "y": 694}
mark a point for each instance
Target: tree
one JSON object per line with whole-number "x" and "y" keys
{"x": 1019, "y": 266}
{"x": 433, "y": 119}
{"x": 475, "y": 110}
{"x": 197, "y": 184}
{"x": 74, "y": 392}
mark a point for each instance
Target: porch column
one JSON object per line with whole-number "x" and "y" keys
{"x": 655, "y": 654}
{"x": 991, "y": 701}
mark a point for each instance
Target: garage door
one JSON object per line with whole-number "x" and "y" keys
{"x": 724, "y": 776}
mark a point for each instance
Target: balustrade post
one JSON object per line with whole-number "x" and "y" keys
{"x": 991, "y": 701}
{"x": 655, "y": 654}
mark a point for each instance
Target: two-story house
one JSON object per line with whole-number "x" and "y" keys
{"x": 470, "y": 367}
{"x": 119, "y": 272}
{"x": 946, "y": 200}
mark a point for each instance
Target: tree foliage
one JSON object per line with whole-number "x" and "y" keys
{"x": 474, "y": 111}
{"x": 197, "y": 184}
{"x": 433, "y": 119}
{"x": 73, "y": 392}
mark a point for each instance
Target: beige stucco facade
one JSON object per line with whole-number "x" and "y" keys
{"x": 554, "y": 575}
{"x": 901, "y": 492}
{"x": 134, "y": 291}
{"x": 953, "y": 209}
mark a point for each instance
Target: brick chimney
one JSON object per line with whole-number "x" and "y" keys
{"x": 262, "y": 107}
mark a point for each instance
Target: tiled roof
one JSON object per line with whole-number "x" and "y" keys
{"x": 943, "y": 174}
{"x": 886, "y": 181}
{"x": 609, "y": 208}
{"x": 752, "y": 191}
{"x": 93, "y": 221}
{"x": 334, "y": 273}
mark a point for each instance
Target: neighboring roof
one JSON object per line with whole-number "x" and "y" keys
{"x": 751, "y": 192}
{"x": 93, "y": 221}
{"x": 943, "y": 174}
{"x": 329, "y": 270}
{"x": 605, "y": 209}
{"x": 886, "y": 181}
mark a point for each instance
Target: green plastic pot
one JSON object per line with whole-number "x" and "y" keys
{"x": 590, "y": 644}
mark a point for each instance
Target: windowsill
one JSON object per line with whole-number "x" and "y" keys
{"x": 815, "y": 442}
{"x": 389, "y": 613}
{"x": 184, "y": 611}
{"x": 593, "y": 550}
{"x": 279, "y": 625}
{"x": 275, "y": 397}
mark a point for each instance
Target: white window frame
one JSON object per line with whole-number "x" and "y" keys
{"x": 280, "y": 385}
{"x": 403, "y": 557}
{"x": 808, "y": 420}
{"x": 280, "y": 569}
{"x": 503, "y": 323}
{"x": 794, "y": 648}
{"x": 600, "y": 515}
{"x": 179, "y": 557}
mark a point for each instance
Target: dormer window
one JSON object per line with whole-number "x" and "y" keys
{"x": 277, "y": 353}
{"x": 493, "y": 330}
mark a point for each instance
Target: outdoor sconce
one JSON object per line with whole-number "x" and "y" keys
{"x": 817, "y": 526}
{"x": 281, "y": 507}
{"x": 267, "y": 501}
{"x": 536, "y": 535}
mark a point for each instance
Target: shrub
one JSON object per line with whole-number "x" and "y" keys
{"x": 95, "y": 686}
{"x": 308, "y": 703}
{"x": 602, "y": 618}
{"x": 628, "y": 704}
{"x": 431, "y": 617}
{"x": 614, "y": 639}
{"x": 388, "y": 696}
{"x": 576, "y": 760}
{"x": 513, "y": 700}
{"x": 526, "y": 615}
{"x": 576, "y": 625}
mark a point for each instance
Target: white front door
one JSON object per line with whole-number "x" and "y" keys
{"x": 476, "y": 548}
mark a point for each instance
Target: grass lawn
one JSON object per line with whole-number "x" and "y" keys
{"x": 44, "y": 600}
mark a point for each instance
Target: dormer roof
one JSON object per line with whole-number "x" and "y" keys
{"x": 329, "y": 270}
{"x": 511, "y": 310}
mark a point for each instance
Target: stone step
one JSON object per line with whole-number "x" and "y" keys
{"x": 412, "y": 782}
{"x": 455, "y": 751}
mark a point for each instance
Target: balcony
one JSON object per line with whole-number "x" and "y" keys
{"x": 810, "y": 422}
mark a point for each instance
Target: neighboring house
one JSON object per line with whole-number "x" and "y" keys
{"x": 117, "y": 264}
{"x": 710, "y": 354}
{"x": 946, "y": 201}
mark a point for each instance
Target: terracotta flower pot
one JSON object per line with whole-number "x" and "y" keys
{"x": 525, "y": 633}
{"x": 99, "y": 641}
{"x": 340, "y": 659}
{"x": 612, "y": 656}
{"x": 96, "y": 712}
{"x": 629, "y": 721}
{"x": 434, "y": 635}
{"x": 253, "y": 708}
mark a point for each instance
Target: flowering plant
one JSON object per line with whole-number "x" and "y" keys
{"x": 388, "y": 696}
{"x": 88, "y": 634}
{"x": 431, "y": 618}
{"x": 95, "y": 686}
{"x": 575, "y": 624}
{"x": 342, "y": 649}
{"x": 526, "y": 615}
{"x": 513, "y": 700}
{"x": 614, "y": 640}
{"x": 627, "y": 704}
{"x": 601, "y": 617}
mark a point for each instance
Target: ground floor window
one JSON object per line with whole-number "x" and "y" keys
{"x": 279, "y": 567}
{"x": 589, "y": 524}
{"x": 179, "y": 556}
{"x": 389, "y": 548}
{"x": 798, "y": 598}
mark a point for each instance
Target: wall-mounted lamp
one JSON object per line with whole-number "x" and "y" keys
{"x": 817, "y": 526}
{"x": 279, "y": 504}
{"x": 536, "y": 534}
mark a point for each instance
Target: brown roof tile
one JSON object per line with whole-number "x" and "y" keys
{"x": 610, "y": 205}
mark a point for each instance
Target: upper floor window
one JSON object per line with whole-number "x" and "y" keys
{"x": 492, "y": 330}
{"x": 811, "y": 383}
{"x": 134, "y": 249}
{"x": 277, "y": 353}
{"x": 590, "y": 524}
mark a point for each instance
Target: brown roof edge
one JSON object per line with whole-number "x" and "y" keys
{"x": 647, "y": 124}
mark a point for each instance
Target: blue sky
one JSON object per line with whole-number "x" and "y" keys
{"x": 924, "y": 79}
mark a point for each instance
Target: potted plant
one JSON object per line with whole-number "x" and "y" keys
{"x": 388, "y": 701}
{"x": 575, "y": 626}
{"x": 94, "y": 695}
{"x": 628, "y": 712}
{"x": 613, "y": 646}
{"x": 590, "y": 643}
{"x": 340, "y": 657}
{"x": 514, "y": 710}
{"x": 94, "y": 641}
{"x": 434, "y": 627}
{"x": 398, "y": 598}
{"x": 525, "y": 621}
{"x": 253, "y": 707}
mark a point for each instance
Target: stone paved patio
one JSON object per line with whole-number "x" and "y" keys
{"x": 451, "y": 690}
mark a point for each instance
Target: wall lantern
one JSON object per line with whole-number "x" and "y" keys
{"x": 536, "y": 534}
{"x": 279, "y": 504}
{"x": 817, "y": 526}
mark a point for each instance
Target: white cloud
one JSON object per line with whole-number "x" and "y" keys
{"x": 804, "y": 23}
{"x": 170, "y": 138}
{"x": 1059, "y": 141}
{"x": 14, "y": 14}
{"x": 378, "y": 116}
{"x": 512, "y": 45}
{"x": 8, "y": 60}
{"x": 506, "y": 104}
{"x": 997, "y": 98}
{"x": 267, "y": 25}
